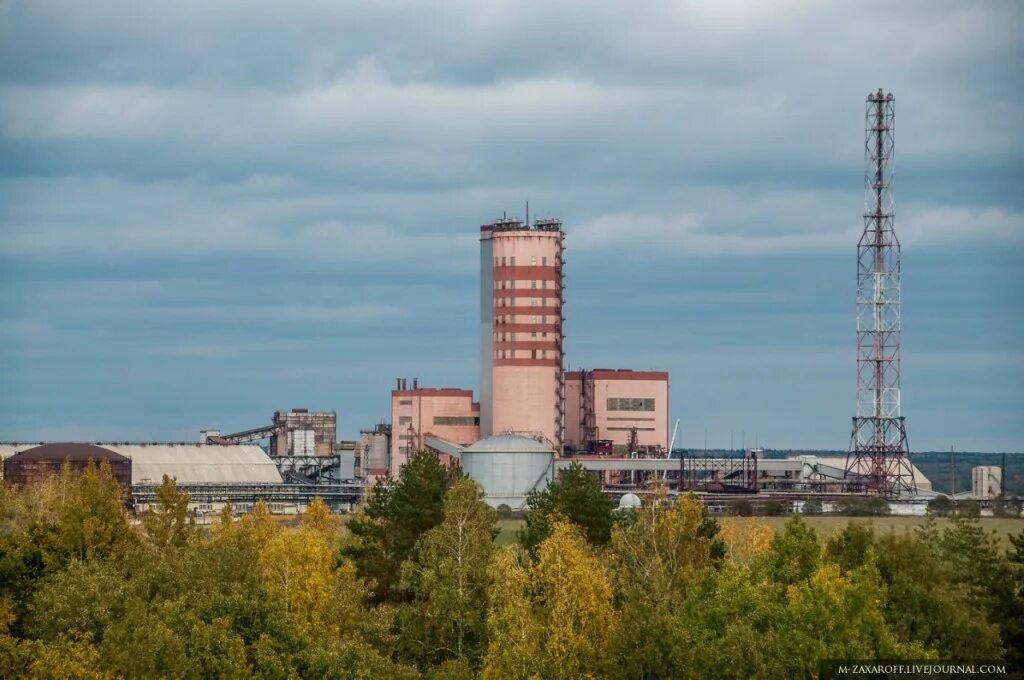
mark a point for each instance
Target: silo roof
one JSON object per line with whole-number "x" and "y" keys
{"x": 507, "y": 443}
{"x": 69, "y": 451}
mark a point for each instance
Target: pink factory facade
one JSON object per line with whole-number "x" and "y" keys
{"x": 521, "y": 341}
{"x": 523, "y": 387}
{"x": 446, "y": 413}
{"x": 606, "y": 405}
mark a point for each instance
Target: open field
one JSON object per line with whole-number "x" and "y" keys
{"x": 828, "y": 525}
{"x": 825, "y": 525}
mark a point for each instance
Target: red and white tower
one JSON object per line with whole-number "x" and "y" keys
{"x": 521, "y": 343}
{"x": 879, "y": 455}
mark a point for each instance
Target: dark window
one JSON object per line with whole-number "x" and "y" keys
{"x": 456, "y": 420}
{"x": 630, "y": 404}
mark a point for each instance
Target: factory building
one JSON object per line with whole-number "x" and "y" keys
{"x": 301, "y": 432}
{"x": 418, "y": 412}
{"x": 33, "y": 464}
{"x": 521, "y": 343}
{"x": 616, "y": 412}
{"x": 373, "y": 453}
{"x": 147, "y": 463}
{"x": 986, "y": 482}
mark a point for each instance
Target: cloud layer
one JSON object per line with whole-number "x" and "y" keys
{"x": 284, "y": 201}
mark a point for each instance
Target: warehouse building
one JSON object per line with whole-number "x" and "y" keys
{"x": 35, "y": 463}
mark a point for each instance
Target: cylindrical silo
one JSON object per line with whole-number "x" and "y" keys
{"x": 508, "y": 467}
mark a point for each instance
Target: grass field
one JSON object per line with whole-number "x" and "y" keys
{"x": 826, "y": 526}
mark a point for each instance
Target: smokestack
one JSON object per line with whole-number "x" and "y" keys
{"x": 415, "y": 383}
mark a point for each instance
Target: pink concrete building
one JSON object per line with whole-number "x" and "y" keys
{"x": 521, "y": 344}
{"x": 447, "y": 413}
{"x": 606, "y": 405}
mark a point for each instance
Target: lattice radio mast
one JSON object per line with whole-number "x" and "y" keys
{"x": 879, "y": 455}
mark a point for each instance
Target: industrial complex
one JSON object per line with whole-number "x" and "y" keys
{"x": 531, "y": 417}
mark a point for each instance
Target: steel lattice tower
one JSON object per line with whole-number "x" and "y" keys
{"x": 879, "y": 455}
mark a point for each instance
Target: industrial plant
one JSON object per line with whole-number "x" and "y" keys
{"x": 531, "y": 417}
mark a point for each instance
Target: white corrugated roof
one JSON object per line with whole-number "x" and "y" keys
{"x": 838, "y": 461}
{"x": 199, "y": 463}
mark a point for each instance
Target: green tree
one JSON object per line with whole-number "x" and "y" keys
{"x": 576, "y": 496}
{"x": 812, "y": 506}
{"x": 657, "y": 560}
{"x": 940, "y": 506}
{"x": 793, "y": 555}
{"x": 850, "y": 547}
{"x": 926, "y": 603}
{"x": 395, "y": 516}
{"x": 448, "y": 578}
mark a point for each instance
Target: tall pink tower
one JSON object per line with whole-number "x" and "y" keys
{"x": 521, "y": 344}
{"x": 879, "y": 455}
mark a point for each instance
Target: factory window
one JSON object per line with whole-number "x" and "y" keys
{"x": 533, "y": 302}
{"x": 630, "y": 404}
{"x": 502, "y": 262}
{"x": 533, "y": 260}
{"x": 512, "y": 260}
{"x": 544, "y": 261}
{"x": 533, "y": 354}
{"x": 495, "y": 262}
{"x": 456, "y": 420}
{"x": 533, "y": 284}
{"x": 533, "y": 334}
{"x": 405, "y": 402}
{"x": 535, "y": 319}
{"x": 544, "y": 284}
{"x": 406, "y": 437}
{"x": 404, "y": 420}
{"x": 513, "y": 338}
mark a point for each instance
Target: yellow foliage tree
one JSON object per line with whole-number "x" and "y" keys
{"x": 296, "y": 564}
{"x": 576, "y": 596}
{"x": 554, "y": 619}
{"x": 663, "y": 550}
{"x": 514, "y": 631}
{"x": 745, "y": 538}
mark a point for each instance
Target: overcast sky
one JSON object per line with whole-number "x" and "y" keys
{"x": 214, "y": 210}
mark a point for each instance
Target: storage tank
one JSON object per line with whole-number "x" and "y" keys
{"x": 37, "y": 463}
{"x": 508, "y": 467}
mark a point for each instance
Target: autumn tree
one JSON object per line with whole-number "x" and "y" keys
{"x": 515, "y": 631}
{"x": 656, "y": 560}
{"x": 167, "y": 524}
{"x": 745, "y": 538}
{"x": 552, "y": 619}
{"x": 575, "y": 495}
{"x": 93, "y": 521}
{"x": 448, "y": 578}
{"x": 396, "y": 515}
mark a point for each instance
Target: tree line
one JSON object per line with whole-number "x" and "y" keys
{"x": 413, "y": 585}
